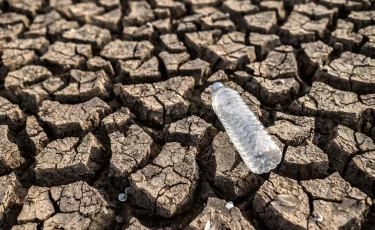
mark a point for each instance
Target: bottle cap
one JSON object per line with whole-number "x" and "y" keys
{"x": 216, "y": 86}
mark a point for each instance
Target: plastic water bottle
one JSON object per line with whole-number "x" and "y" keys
{"x": 257, "y": 149}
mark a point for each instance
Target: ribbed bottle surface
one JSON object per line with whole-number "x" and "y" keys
{"x": 257, "y": 149}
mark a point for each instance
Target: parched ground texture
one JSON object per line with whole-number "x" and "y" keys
{"x": 102, "y": 96}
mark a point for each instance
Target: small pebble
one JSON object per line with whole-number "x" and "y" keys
{"x": 229, "y": 205}
{"x": 317, "y": 217}
{"x": 122, "y": 197}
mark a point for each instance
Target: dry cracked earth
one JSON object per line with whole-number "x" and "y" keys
{"x": 101, "y": 96}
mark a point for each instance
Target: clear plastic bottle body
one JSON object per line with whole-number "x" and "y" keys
{"x": 257, "y": 149}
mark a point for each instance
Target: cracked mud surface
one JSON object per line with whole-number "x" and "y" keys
{"x": 104, "y": 97}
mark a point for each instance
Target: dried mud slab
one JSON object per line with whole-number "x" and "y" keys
{"x": 274, "y": 80}
{"x": 301, "y": 29}
{"x": 135, "y": 72}
{"x": 166, "y": 186}
{"x": 85, "y": 11}
{"x": 65, "y": 119}
{"x": 10, "y": 155}
{"x": 238, "y": 9}
{"x": 313, "y": 55}
{"x": 224, "y": 167}
{"x": 263, "y": 22}
{"x": 158, "y": 103}
{"x": 66, "y": 56}
{"x": 57, "y": 28}
{"x": 190, "y": 131}
{"x": 211, "y": 19}
{"x": 13, "y": 59}
{"x": 292, "y": 130}
{"x": 197, "y": 42}
{"x": 220, "y": 217}
{"x": 110, "y": 20}
{"x": 84, "y": 86}
{"x": 316, "y": 11}
{"x": 171, "y": 44}
{"x": 282, "y": 204}
{"x": 88, "y": 34}
{"x": 127, "y": 50}
{"x": 35, "y": 137}
{"x": 362, "y": 18}
{"x": 230, "y": 52}
{"x": 342, "y": 107}
{"x": 344, "y": 38}
{"x": 263, "y": 43}
{"x": 351, "y": 153}
{"x": 172, "y": 62}
{"x": 21, "y": 79}
{"x": 33, "y": 96}
{"x": 71, "y": 206}
{"x": 9, "y": 200}
{"x": 368, "y": 48}
{"x": 11, "y": 114}
{"x": 304, "y": 162}
{"x": 134, "y": 224}
{"x": 196, "y": 68}
{"x": 29, "y": 8}
{"x": 336, "y": 204}
{"x": 140, "y": 13}
{"x": 131, "y": 150}
{"x": 10, "y": 19}
{"x": 67, "y": 160}
{"x": 350, "y": 72}
{"x": 176, "y": 8}
{"x": 40, "y": 23}
{"x": 117, "y": 121}
{"x": 97, "y": 63}
{"x": 39, "y": 45}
